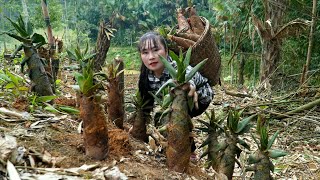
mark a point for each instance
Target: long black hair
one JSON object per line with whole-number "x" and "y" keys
{"x": 144, "y": 87}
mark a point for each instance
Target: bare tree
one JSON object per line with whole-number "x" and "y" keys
{"x": 272, "y": 32}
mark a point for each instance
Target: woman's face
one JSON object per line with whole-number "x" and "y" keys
{"x": 150, "y": 56}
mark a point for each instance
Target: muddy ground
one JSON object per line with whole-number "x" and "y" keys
{"x": 52, "y": 144}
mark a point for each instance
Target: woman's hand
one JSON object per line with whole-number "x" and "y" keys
{"x": 192, "y": 93}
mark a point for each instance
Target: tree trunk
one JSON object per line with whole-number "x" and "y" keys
{"x": 269, "y": 61}
{"x": 95, "y": 127}
{"x": 102, "y": 47}
{"x": 271, "y": 47}
{"x": 241, "y": 69}
{"x": 53, "y": 61}
{"x": 37, "y": 73}
{"x": 304, "y": 75}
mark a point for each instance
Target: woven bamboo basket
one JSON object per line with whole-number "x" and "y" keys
{"x": 204, "y": 48}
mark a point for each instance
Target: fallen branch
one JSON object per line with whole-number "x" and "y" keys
{"x": 237, "y": 94}
{"x": 300, "y": 109}
{"x": 22, "y": 116}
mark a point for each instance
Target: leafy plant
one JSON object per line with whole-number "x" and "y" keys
{"x": 85, "y": 79}
{"x": 229, "y": 149}
{"x": 179, "y": 124}
{"x": 81, "y": 56}
{"x": 14, "y": 82}
{"x": 261, "y": 158}
{"x": 214, "y": 129}
{"x": 30, "y": 42}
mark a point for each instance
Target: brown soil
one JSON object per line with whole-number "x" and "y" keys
{"x": 62, "y": 140}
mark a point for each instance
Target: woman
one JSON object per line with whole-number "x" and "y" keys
{"x": 153, "y": 75}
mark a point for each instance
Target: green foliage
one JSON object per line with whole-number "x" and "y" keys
{"x": 25, "y": 33}
{"x": 81, "y": 56}
{"x": 130, "y": 55}
{"x": 13, "y": 82}
{"x": 85, "y": 79}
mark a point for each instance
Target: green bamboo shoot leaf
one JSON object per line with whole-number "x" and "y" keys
{"x": 16, "y": 26}
{"x": 10, "y": 85}
{"x": 165, "y": 112}
{"x": 272, "y": 139}
{"x": 204, "y": 122}
{"x": 194, "y": 70}
{"x": 264, "y": 138}
{"x": 256, "y": 141}
{"x": 71, "y": 55}
{"x": 203, "y": 129}
{"x": 170, "y": 83}
{"x": 173, "y": 55}
{"x": 19, "y": 38}
{"x": 222, "y": 146}
{"x": 44, "y": 98}
{"x": 80, "y": 80}
{"x": 68, "y": 109}
{"x": 253, "y": 159}
{"x": 38, "y": 38}
{"x": 206, "y": 142}
{"x": 204, "y": 154}
{"x": 156, "y": 98}
{"x": 91, "y": 89}
{"x": 244, "y": 144}
{"x": 4, "y": 77}
{"x": 21, "y": 23}
{"x": 170, "y": 68}
{"x": 167, "y": 100}
{"x": 23, "y": 88}
{"x": 276, "y": 153}
{"x": 78, "y": 54}
{"x": 187, "y": 57}
{"x": 86, "y": 49}
{"x": 51, "y": 109}
{"x": 242, "y": 124}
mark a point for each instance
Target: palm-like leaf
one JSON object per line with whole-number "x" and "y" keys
{"x": 170, "y": 68}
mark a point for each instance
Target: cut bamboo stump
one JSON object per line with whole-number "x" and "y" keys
{"x": 95, "y": 127}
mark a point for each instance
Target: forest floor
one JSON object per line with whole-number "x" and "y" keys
{"x": 51, "y": 145}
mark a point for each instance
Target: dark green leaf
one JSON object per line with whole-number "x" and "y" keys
{"x": 21, "y": 31}
{"x": 206, "y": 142}
{"x": 44, "y": 98}
{"x": 170, "y": 68}
{"x": 242, "y": 124}
{"x": 170, "y": 83}
{"x": 173, "y": 56}
{"x": 194, "y": 70}
{"x": 187, "y": 57}
{"x": 38, "y": 38}
{"x": 19, "y": 38}
{"x": 276, "y": 153}
{"x": 71, "y": 55}
{"x": 272, "y": 139}
{"x": 253, "y": 159}
{"x": 244, "y": 144}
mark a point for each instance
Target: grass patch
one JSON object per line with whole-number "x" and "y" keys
{"x": 130, "y": 55}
